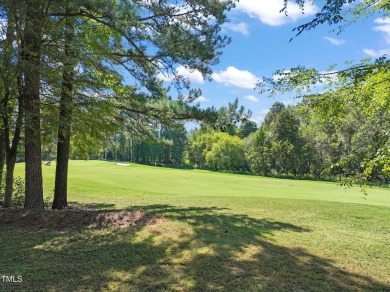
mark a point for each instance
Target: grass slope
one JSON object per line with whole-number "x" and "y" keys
{"x": 222, "y": 232}
{"x": 109, "y": 182}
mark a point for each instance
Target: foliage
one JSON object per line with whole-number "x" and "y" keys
{"x": 246, "y": 128}
{"x": 18, "y": 191}
{"x": 307, "y": 142}
{"x": 351, "y": 97}
{"x": 259, "y": 152}
{"x": 227, "y": 153}
{"x": 94, "y": 68}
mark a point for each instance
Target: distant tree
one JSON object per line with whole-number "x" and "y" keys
{"x": 283, "y": 127}
{"x": 174, "y": 150}
{"x": 247, "y": 127}
{"x": 199, "y": 144}
{"x": 274, "y": 111}
{"x": 260, "y": 152}
{"x": 228, "y": 153}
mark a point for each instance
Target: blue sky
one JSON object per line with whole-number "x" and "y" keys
{"x": 260, "y": 46}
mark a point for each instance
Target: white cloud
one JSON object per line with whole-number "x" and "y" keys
{"x": 334, "y": 41}
{"x": 382, "y": 20}
{"x": 252, "y": 98}
{"x": 201, "y": 99}
{"x": 236, "y": 77}
{"x": 194, "y": 76}
{"x": 241, "y": 27}
{"x": 383, "y": 26}
{"x": 376, "y": 54}
{"x": 268, "y": 11}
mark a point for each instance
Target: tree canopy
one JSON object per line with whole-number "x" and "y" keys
{"x": 89, "y": 68}
{"x": 360, "y": 86}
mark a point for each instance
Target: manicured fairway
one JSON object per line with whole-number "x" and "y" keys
{"x": 120, "y": 185}
{"x": 221, "y": 232}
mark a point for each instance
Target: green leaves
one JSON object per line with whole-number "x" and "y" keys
{"x": 228, "y": 154}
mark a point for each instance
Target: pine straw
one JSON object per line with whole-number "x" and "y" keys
{"x": 74, "y": 217}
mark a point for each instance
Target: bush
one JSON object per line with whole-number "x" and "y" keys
{"x": 227, "y": 154}
{"x": 18, "y": 191}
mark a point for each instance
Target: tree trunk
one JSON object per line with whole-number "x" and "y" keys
{"x": 9, "y": 180}
{"x": 11, "y": 154}
{"x": 2, "y": 155}
{"x": 31, "y": 101}
{"x": 64, "y": 129}
{"x": 7, "y": 80}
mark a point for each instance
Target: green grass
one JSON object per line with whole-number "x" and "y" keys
{"x": 222, "y": 232}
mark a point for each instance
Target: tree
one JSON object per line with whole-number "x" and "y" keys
{"x": 10, "y": 106}
{"x": 31, "y": 62}
{"x": 199, "y": 144}
{"x": 228, "y": 153}
{"x": 65, "y": 116}
{"x": 247, "y": 127}
{"x": 163, "y": 36}
{"x": 285, "y": 143}
{"x": 144, "y": 38}
{"x": 2, "y": 155}
{"x": 363, "y": 86}
{"x": 275, "y": 109}
{"x": 174, "y": 150}
{"x": 259, "y": 152}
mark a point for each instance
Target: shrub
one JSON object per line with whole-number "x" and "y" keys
{"x": 18, "y": 191}
{"x": 228, "y": 153}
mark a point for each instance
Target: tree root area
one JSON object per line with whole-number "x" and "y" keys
{"x": 74, "y": 217}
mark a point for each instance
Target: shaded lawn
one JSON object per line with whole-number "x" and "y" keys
{"x": 210, "y": 240}
{"x": 197, "y": 249}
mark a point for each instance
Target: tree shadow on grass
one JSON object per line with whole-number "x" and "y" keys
{"x": 195, "y": 249}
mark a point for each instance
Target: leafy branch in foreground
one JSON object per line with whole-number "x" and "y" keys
{"x": 363, "y": 86}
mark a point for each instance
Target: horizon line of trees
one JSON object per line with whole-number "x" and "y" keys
{"x": 295, "y": 141}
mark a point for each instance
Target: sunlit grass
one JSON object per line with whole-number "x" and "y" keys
{"x": 106, "y": 181}
{"x": 221, "y": 232}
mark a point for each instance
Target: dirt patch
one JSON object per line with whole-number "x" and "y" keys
{"x": 75, "y": 217}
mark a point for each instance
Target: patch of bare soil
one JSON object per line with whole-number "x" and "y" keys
{"x": 74, "y": 217}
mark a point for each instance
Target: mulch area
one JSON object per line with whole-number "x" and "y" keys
{"x": 74, "y": 217}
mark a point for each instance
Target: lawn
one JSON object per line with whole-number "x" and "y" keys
{"x": 219, "y": 232}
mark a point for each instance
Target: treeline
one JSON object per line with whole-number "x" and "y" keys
{"x": 167, "y": 147}
{"x": 292, "y": 141}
